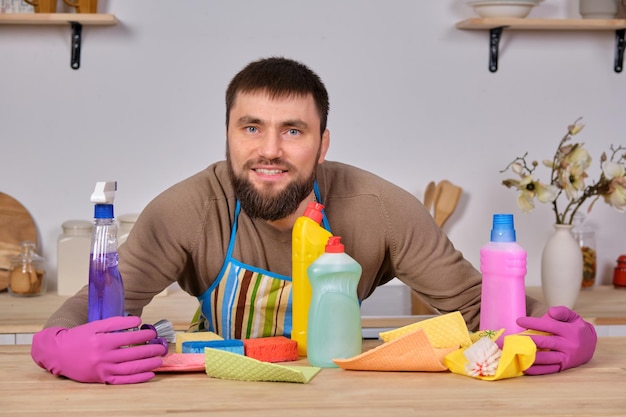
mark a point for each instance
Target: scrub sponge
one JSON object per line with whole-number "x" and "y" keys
{"x": 271, "y": 349}
{"x": 198, "y": 346}
{"x": 192, "y": 337}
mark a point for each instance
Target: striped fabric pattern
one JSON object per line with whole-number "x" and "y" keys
{"x": 248, "y": 304}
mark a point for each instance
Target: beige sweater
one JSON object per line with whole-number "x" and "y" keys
{"x": 183, "y": 234}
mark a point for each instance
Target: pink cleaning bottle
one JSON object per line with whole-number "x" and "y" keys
{"x": 503, "y": 266}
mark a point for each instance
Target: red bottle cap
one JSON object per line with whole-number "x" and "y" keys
{"x": 334, "y": 245}
{"x": 314, "y": 211}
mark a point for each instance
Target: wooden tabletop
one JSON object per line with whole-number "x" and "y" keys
{"x": 599, "y": 305}
{"x": 596, "y": 388}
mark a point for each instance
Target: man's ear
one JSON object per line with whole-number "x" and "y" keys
{"x": 324, "y": 146}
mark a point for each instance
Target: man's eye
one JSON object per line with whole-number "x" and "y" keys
{"x": 251, "y": 129}
{"x": 293, "y": 132}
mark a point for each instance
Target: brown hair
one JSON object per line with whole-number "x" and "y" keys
{"x": 279, "y": 77}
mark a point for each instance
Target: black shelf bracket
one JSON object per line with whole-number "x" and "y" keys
{"x": 619, "y": 50}
{"x": 495, "y": 34}
{"x": 77, "y": 30}
{"x": 494, "y": 45}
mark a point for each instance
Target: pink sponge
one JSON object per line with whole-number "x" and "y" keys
{"x": 271, "y": 349}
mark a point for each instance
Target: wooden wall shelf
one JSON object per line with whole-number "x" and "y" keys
{"x": 74, "y": 20}
{"x": 57, "y": 19}
{"x": 497, "y": 25}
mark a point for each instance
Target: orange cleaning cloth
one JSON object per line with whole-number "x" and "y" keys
{"x": 410, "y": 352}
{"x": 271, "y": 349}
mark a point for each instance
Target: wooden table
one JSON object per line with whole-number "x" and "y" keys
{"x": 596, "y": 388}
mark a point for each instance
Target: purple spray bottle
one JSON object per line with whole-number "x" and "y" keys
{"x": 106, "y": 290}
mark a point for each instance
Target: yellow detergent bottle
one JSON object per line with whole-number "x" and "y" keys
{"x": 308, "y": 241}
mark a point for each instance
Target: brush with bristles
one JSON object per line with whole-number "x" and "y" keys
{"x": 164, "y": 330}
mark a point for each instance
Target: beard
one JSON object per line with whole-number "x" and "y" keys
{"x": 265, "y": 204}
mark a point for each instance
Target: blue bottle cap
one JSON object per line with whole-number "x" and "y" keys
{"x": 103, "y": 211}
{"x": 503, "y": 229}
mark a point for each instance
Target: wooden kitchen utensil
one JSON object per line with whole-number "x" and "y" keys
{"x": 446, "y": 201}
{"x": 83, "y": 6}
{"x": 43, "y": 6}
{"x": 16, "y": 225}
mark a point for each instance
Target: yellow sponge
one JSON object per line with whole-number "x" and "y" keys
{"x": 194, "y": 337}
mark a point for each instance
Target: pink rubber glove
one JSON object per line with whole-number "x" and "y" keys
{"x": 99, "y": 351}
{"x": 572, "y": 341}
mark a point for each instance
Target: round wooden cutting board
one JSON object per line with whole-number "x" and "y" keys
{"x": 16, "y": 225}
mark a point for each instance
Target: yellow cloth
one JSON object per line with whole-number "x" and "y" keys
{"x": 518, "y": 354}
{"x": 227, "y": 365}
{"x": 448, "y": 330}
{"x": 491, "y": 334}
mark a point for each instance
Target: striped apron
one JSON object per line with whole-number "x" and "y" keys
{"x": 246, "y": 302}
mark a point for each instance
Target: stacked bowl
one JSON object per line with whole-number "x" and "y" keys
{"x": 503, "y": 8}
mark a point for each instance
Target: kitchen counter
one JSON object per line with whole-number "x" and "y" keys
{"x": 28, "y": 314}
{"x": 20, "y": 317}
{"x": 596, "y": 388}
{"x": 602, "y": 305}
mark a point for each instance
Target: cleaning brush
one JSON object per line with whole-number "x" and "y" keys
{"x": 165, "y": 329}
{"x": 165, "y": 333}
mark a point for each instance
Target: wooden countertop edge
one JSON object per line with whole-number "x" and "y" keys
{"x": 181, "y": 318}
{"x": 601, "y": 321}
{"x": 366, "y": 322}
{"x": 31, "y": 328}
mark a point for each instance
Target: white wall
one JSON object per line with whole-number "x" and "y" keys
{"x": 411, "y": 100}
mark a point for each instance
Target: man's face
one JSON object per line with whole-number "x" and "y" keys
{"x": 273, "y": 148}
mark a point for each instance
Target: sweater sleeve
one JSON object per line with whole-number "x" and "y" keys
{"x": 72, "y": 313}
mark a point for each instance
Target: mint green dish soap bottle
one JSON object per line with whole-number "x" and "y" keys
{"x": 334, "y": 326}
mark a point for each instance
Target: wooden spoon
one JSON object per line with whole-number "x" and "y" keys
{"x": 446, "y": 201}
{"x": 436, "y": 196}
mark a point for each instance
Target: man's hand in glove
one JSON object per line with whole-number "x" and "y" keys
{"x": 572, "y": 341}
{"x": 100, "y": 351}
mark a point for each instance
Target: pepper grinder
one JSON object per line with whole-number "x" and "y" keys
{"x": 26, "y": 273}
{"x": 619, "y": 274}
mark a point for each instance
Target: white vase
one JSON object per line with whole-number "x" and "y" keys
{"x": 561, "y": 268}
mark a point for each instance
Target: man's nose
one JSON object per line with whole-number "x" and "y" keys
{"x": 271, "y": 146}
